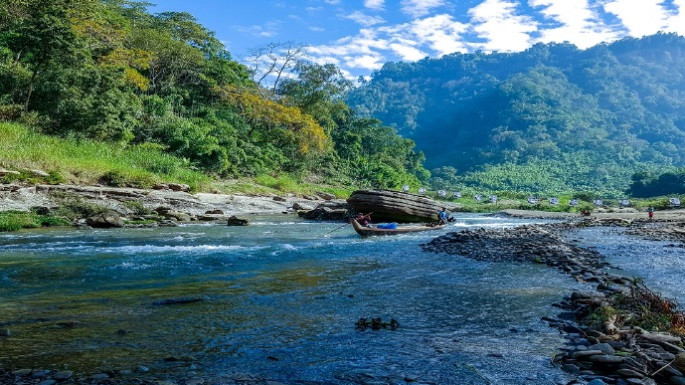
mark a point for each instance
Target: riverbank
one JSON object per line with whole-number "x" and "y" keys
{"x": 621, "y": 214}
{"x": 622, "y": 333}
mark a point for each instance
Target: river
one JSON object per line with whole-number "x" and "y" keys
{"x": 279, "y": 302}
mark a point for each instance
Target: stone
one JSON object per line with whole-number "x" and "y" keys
{"x": 214, "y": 212}
{"x": 586, "y": 353}
{"x": 208, "y": 218}
{"x": 179, "y": 187}
{"x": 160, "y": 186}
{"x": 22, "y": 372}
{"x": 39, "y": 374}
{"x": 279, "y": 199}
{"x": 635, "y": 381}
{"x": 100, "y": 376}
{"x": 604, "y": 348}
{"x": 679, "y": 362}
{"x": 606, "y": 359}
{"x": 5, "y": 333}
{"x": 325, "y": 214}
{"x": 39, "y": 173}
{"x": 107, "y": 220}
{"x": 629, "y": 373}
{"x": 235, "y": 221}
{"x": 570, "y": 368}
{"x": 678, "y": 380}
{"x": 596, "y": 381}
{"x": 177, "y": 215}
{"x": 325, "y": 196}
{"x": 299, "y": 206}
{"x": 63, "y": 375}
{"x": 142, "y": 369}
{"x": 47, "y": 382}
{"x": 395, "y": 206}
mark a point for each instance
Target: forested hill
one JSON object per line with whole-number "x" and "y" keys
{"x": 553, "y": 118}
{"x": 110, "y": 71}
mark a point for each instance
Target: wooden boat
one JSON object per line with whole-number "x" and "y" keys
{"x": 370, "y": 231}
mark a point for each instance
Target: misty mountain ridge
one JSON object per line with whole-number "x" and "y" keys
{"x": 553, "y": 118}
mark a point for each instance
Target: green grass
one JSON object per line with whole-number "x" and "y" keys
{"x": 85, "y": 161}
{"x": 267, "y": 184}
{"x": 17, "y": 220}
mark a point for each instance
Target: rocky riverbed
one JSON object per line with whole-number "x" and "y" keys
{"x": 622, "y": 333}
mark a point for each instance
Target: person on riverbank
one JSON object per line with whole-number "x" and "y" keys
{"x": 650, "y": 213}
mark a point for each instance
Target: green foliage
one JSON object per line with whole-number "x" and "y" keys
{"x": 17, "y": 220}
{"x": 137, "y": 207}
{"x": 553, "y": 119}
{"x": 73, "y": 207}
{"x": 110, "y": 71}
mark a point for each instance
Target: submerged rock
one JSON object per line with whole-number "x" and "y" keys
{"x": 177, "y": 301}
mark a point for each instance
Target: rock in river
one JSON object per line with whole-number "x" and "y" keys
{"x": 105, "y": 221}
{"x": 235, "y": 221}
{"x": 395, "y": 206}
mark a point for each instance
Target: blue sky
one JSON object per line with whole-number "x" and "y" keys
{"x": 361, "y": 35}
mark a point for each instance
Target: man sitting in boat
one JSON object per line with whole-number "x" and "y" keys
{"x": 364, "y": 219}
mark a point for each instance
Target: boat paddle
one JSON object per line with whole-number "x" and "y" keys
{"x": 325, "y": 235}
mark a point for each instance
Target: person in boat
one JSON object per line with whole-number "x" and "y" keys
{"x": 364, "y": 219}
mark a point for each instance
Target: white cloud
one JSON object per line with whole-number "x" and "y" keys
{"x": 580, "y": 24}
{"x": 374, "y": 4}
{"x": 441, "y": 33}
{"x": 364, "y": 19}
{"x": 419, "y": 8}
{"x": 640, "y": 17}
{"x": 317, "y": 29}
{"x": 407, "y": 52}
{"x": 497, "y": 22}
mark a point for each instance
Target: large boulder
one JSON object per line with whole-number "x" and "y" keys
{"x": 395, "y": 206}
{"x": 107, "y": 220}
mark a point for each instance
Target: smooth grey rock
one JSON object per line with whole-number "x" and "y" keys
{"x": 586, "y": 353}
{"x": 606, "y": 359}
{"x": 596, "y": 381}
{"x": 99, "y": 376}
{"x": 48, "y": 382}
{"x": 179, "y": 187}
{"x": 299, "y": 206}
{"x": 107, "y": 220}
{"x": 22, "y": 372}
{"x": 570, "y": 368}
{"x": 604, "y": 348}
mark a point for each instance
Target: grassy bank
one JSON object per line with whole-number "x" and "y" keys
{"x": 16, "y": 220}
{"x": 87, "y": 162}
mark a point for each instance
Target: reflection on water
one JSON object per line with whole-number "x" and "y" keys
{"x": 279, "y": 300}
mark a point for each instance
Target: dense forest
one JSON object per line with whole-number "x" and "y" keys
{"x": 110, "y": 71}
{"x": 551, "y": 119}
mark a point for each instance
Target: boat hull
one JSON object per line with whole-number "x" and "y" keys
{"x": 372, "y": 231}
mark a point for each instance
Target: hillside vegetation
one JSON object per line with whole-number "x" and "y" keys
{"x": 552, "y": 119}
{"x": 157, "y": 95}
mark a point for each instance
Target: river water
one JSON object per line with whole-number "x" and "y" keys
{"x": 279, "y": 302}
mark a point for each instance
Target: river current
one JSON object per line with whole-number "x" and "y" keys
{"x": 280, "y": 299}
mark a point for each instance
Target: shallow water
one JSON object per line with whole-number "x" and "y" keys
{"x": 660, "y": 264}
{"x": 280, "y": 302}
